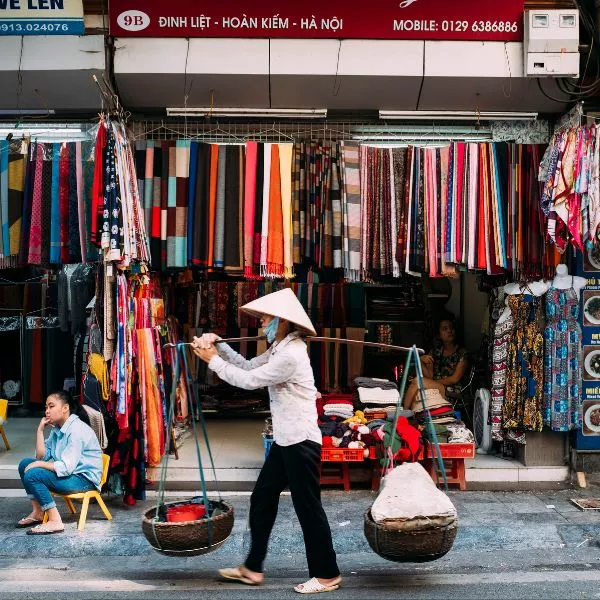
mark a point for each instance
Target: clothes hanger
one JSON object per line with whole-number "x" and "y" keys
{"x": 217, "y": 131}
{"x": 277, "y": 131}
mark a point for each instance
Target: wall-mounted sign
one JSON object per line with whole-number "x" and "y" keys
{"x": 41, "y": 17}
{"x": 385, "y": 19}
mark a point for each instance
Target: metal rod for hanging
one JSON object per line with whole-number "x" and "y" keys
{"x": 309, "y": 338}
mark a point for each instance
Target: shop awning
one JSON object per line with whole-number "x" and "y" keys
{"x": 154, "y": 73}
{"x": 51, "y": 73}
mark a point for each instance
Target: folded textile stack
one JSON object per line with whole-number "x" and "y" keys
{"x": 388, "y": 411}
{"x": 440, "y": 409}
{"x": 373, "y": 382}
{"x": 379, "y": 392}
{"x": 337, "y": 407}
{"x": 377, "y": 395}
{"x": 459, "y": 434}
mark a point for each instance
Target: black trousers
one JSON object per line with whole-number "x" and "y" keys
{"x": 296, "y": 466}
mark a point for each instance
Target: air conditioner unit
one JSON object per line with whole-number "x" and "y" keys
{"x": 551, "y": 44}
{"x": 482, "y": 428}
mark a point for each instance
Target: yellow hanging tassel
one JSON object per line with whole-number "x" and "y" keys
{"x": 97, "y": 367}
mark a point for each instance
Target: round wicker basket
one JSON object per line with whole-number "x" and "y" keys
{"x": 189, "y": 538}
{"x": 420, "y": 545}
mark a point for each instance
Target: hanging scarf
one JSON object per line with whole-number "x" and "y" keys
{"x": 234, "y": 203}
{"x": 212, "y": 209}
{"x": 265, "y": 208}
{"x": 35, "y": 230}
{"x": 219, "y": 252}
{"x": 351, "y": 210}
{"x": 16, "y": 188}
{"x": 199, "y": 216}
{"x": 298, "y": 201}
{"x": 285, "y": 160}
{"x": 275, "y": 223}
{"x": 250, "y": 207}
{"x": 4, "y": 149}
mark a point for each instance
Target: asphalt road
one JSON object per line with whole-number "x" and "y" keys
{"x": 553, "y": 574}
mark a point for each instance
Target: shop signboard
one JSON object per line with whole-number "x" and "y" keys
{"x": 41, "y": 17}
{"x": 499, "y": 20}
{"x": 589, "y": 267}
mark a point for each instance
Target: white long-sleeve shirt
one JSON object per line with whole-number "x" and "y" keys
{"x": 285, "y": 370}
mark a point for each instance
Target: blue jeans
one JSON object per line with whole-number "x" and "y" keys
{"x": 38, "y": 484}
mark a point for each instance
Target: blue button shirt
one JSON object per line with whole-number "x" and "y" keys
{"x": 75, "y": 450}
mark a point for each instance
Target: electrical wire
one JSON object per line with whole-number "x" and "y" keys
{"x": 561, "y": 101}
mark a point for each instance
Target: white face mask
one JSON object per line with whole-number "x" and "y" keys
{"x": 271, "y": 329}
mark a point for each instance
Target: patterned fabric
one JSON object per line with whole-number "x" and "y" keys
{"x": 501, "y": 341}
{"x": 97, "y": 213}
{"x": 4, "y": 149}
{"x": 351, "y": 210}
{"x": 16, "y": 187}
{"x": 35, "y": 229}
{"x": 525, "y": 366}
{"x": 178, "y": 207}
{"x": 444, "y": 366}
{"x": 562, "y": 360}
{"x": 111, "y": 225}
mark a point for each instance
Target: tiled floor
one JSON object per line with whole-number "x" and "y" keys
{"x": 238, "y": 452}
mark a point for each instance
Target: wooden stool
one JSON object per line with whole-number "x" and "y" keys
{"x": 341, "y": 478}
{"x": 453, "y": 456}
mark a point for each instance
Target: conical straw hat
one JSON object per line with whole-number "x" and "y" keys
{"x": 282, "y": 304}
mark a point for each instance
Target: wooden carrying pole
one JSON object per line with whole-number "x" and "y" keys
{"x": 309, "y": 339}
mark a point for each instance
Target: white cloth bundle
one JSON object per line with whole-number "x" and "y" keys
{"x": 378, "y": 396}
{"x": 408, "y": 492}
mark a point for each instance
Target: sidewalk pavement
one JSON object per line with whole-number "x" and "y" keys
{"x": 507, "y": 522}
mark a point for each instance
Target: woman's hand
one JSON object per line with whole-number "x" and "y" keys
{"x": 43, "y": 424}
{"x": 206, "y": 340}
{"x": 205, "y": 354}
{"x": 38, "y": 464}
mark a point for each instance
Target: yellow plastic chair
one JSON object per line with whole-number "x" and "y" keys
{"x": 85, "y": 498}
{"x": 3, "y": 418}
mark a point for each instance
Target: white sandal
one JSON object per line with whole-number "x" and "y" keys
{"x": 314, "y": 586}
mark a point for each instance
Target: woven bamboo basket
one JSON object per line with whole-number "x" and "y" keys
{"x": 417, "y": 545}
{"x": 189, "y": 538}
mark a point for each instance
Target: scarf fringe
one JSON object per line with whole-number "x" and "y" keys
{"x": 288, "y": 272}
{"x": 352, "y": 275}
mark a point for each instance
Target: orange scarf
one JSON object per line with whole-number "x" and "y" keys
{"x": 275, "y": 239}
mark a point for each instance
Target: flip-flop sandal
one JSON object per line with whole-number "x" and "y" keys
{"x": 27, "y": 522}
{"x": 235, "y": 575}
{"x": 44, "y": 530}
{"x": 314, "y": 586}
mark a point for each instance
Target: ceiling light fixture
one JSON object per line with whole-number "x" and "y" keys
{"x": 455, "y": 115}
{"x": 250, "y": 113}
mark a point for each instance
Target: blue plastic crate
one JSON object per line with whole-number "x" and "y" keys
{"x": 268, "y": 442}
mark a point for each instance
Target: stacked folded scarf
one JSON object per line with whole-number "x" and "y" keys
{"x": 371, "y": 382}
{"x": 377, "y": 395}
{"x": 339, "y": 410}
{"x": 338, "y": 407}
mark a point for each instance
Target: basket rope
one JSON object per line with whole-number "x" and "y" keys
{"x": 390, "y": 451}
{"x": 179, "y": 351}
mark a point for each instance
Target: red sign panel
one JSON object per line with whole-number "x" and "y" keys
{"x": 382, "y": 19}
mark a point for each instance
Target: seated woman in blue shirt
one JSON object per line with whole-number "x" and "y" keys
{"x": 69, "y": 461}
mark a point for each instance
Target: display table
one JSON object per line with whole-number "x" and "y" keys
{"x": 335, "y": 465}
{"x": 453, "y": 456}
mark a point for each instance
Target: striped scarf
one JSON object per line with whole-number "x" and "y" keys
{"x": 351, "y": 211}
